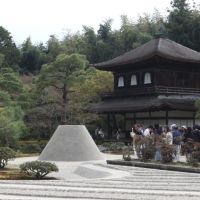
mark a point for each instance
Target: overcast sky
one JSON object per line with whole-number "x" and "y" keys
{"x": 41, "y": 18}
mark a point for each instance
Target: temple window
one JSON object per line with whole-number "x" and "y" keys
{"x": 121, "y": 81}
{"x": 147, "y": 78}
{"x": 133, "y": 79}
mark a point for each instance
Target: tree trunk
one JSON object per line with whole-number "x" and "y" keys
{"x": 64, "y": 117}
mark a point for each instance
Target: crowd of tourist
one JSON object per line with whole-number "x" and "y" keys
{"x": 173, "y": 135}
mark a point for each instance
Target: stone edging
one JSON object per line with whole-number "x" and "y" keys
{"x": 154, "y": 166}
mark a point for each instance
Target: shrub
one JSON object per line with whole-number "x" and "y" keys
{"x": 114, "y": 146}
{"x": 38, "y": 169}
{"x": 192, "y": 151}
{"x": 194, "y": 158}
{"x": 6, "y": 153}
{"x": 31, "y": 148}
{"x": 147, "y": 148}
{"x": 127, "y": 152}
{"x": 167, "y": 153}
{"x": 147, "y": 152}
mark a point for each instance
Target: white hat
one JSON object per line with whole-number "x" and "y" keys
{"x": 174, "y": 126}
{"x": 184, "y": 126}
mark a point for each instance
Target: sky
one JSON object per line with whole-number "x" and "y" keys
{"x": 41, "y": 18}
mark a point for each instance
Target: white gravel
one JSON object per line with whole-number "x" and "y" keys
{"x": 97, "y": 180}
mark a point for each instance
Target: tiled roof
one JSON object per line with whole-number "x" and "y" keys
{"x": 161, "y": 47}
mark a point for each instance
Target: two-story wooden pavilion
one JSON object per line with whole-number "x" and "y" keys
{"x": 156, "y": 83}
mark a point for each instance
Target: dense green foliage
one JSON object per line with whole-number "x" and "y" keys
{"x": 8, "y": 49}
{"x": 32, "y": 57}
{"x": 6, "y": 153}
{"x": 30, "y": 148}
{"x": 192, "y": 151}
{"x": 183, "y": 24}
{"x": 58, "y": 76}
{"x": 167, "y": 153}
{"x": 11, "y": 114}
{"x": 86, "y": 92}
{"x": 114, "y": 147}
{"x": 59, "y": 85}
{"x": 38, "y": 169}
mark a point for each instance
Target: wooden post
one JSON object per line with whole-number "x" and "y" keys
{"x": 166, "y": 118}
{"x": 150, "y": 117}
{"x": 194, "y": 115}
{"x": 124, "y": 124}
{"x": 124, "y": 115}
{"x": 115, "y": 125}
{"x": 108, "y": 126}
{"x": 134, "y": 118}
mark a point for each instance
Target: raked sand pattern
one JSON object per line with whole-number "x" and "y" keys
{"x": 96, "y": 180}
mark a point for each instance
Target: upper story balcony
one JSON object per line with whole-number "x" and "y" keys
{"x": 126, "y": 92}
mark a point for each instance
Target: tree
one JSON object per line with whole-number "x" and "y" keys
{"x": 179, "y": 21}
{"x": 42, "y": 119}
{"x": 32, "y": 57}
{"x": 55, "y": 78}
{"x": 2, "y": 57}
{"x": 8, "y": 49}
{"x": 184, "y": 24}
{"x": 128, "y": 34}
{"x": 53, "y": 48}
{"x": 195, "y": 30}
{"x": 73, "y": 43}
{"x": 11, "y": 114}
{"x": 180, "y": 6}
{"x": 87, "y": 91}
{"x": 105, "y": 29}
{"x": 90, "y": 39}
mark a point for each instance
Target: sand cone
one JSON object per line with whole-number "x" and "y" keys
{"x": 71, "y": 143}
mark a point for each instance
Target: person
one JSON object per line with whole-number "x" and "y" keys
{"x": 158, "y": 142}
{"x": 196, "y": 133}
{"x": 168, "y": 138}
{"x": 136, "y": 134}
{"x": 148, "y": 131}
{"x": 96, "y": 133}
{"x": 187, "y": 135}
{"x": 187, "y": 143}
{"x": 177, "y": 138}
{"x": 101, "y": 133}
{"x": 132, "y": 134}
{"x": 157, "y": 129}
{"x": 183, "y": 130}
{"x": 140, "y": 129}
{"x": 118, "y": 134}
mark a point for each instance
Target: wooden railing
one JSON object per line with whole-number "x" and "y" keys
{"x": 151, "y": 90}
{"x": 177, "y": 90}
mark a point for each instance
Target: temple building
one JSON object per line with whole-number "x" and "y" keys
{"x": 156, "y": 83}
